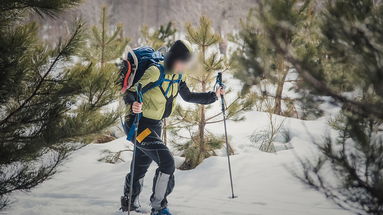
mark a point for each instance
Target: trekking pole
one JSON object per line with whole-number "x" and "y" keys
{"x": 221, "y": 85}
{"x": 135, "y": 124}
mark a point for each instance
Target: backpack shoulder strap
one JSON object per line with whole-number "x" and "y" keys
{"x": 171, "y": 82}
{"x": 158, "y": 82}
{"x": 179, "y": 78}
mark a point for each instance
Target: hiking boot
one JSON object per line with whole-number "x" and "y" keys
{"x": 125, "y": 204}
{"x": 164, "y": 211}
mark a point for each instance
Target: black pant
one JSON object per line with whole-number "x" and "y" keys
{"x": 163, "y": 182}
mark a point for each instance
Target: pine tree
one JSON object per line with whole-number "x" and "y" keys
{"x": 270, "y": 72}
{"x": 104, "y": 47}
{"x": 105, "y": 44}
{"x": 161, "y": 37}
{"x": 340, "y": 58}
{"x": 201, "y": 143}
{"x": 45, "y": 106}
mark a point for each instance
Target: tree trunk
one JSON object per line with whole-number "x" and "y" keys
{"x": 201, "y": 127}
{"x": 280, "y": 84}
{"x": 103, "y": 19}
{"x": 202, "y": 122}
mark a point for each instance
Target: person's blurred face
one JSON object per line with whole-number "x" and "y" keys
{"x": 181, "y": 66}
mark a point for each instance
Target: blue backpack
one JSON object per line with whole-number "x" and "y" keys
{"x": 135, "y": 65}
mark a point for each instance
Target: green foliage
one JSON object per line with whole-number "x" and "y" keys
{"x": 105, "y": 44}
{"x": 193, "y": 120}
{"x": 339, "y": 56}
{"x": 41, "y": 98}
{"x": 203, "y": 35}
{"x": 362, "y": 44}
{"x": 355, "y": 159}
{"x": 161, "y": 37}
{"x": 246, "y": 58}
{"x": 264, "y": 139}
{"x": 46, "y": 104}
{"x": 99, "y": 85}
{"x": 12, "y": 10}
{"x": 191, "y": 150}
{"x": 258, "y": 63}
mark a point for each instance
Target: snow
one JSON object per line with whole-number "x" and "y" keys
{"x": 263, "y": 181}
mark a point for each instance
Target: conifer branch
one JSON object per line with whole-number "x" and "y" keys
{"x": 60, "y": 54}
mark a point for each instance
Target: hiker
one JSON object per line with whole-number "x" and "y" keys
{"x": 158, "y": 103}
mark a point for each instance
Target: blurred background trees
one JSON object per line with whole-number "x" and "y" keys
{"x": 164, "y": 36}
{"x": 259, "y": 64}
{"x": 339, "y": 56}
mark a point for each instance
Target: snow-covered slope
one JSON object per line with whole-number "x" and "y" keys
{"x": 262, "y": 180}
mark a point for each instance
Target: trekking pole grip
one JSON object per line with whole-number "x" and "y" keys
{"x": 139, "y": 99}
{"x": 219, "y": 79}
{"x": 139, "y": 92}
{"x": 220, "y": 85}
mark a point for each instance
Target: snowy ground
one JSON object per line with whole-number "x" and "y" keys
{"x": 262, "y": 181}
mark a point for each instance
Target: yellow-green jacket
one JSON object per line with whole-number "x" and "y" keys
{"x": 157, "y": 105}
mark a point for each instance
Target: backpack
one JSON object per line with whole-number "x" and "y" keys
{"x": 137, "y": 62}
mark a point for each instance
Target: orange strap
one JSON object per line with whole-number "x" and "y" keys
{"x": 126, "y": 78}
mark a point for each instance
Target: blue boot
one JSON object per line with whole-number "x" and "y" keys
{"x": 164, "y": 211}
